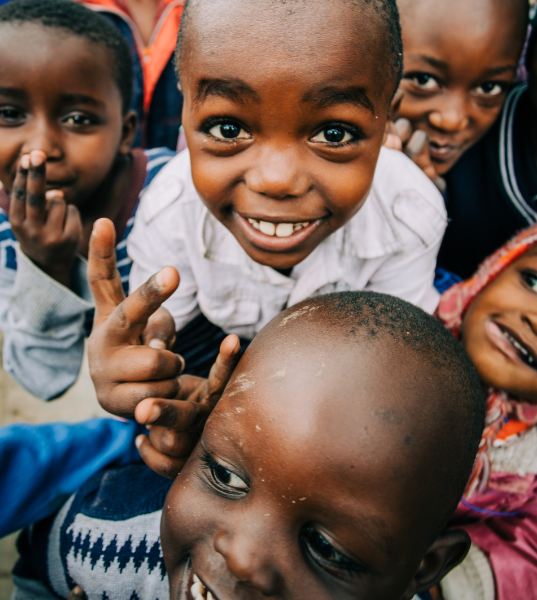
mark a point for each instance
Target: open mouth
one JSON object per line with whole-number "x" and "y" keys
{"x": 442, "y": 152}
{"x": 511, "y": 345}
{"x": 198, "y": 591}
{"x": 276, "y": 236}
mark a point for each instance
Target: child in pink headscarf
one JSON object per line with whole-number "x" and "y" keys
{"x": 494, "y": 314}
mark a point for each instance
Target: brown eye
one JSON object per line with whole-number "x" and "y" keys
{"x": 228, "y": 131}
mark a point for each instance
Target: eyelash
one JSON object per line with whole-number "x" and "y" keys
{"x": 212, "y": 468}
{"x": 342, "y": 564}
{"x": 357, "y": 134}
{"x": 527, "y": 276}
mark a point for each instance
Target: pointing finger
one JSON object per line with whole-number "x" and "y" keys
{"x": 17, "y": 209}
{"x": 35, "y": 187}
{"x": 104, "y": 278}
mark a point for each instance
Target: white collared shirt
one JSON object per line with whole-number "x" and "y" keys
{"x": 389, "y": 246}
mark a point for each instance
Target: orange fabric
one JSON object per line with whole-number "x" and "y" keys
{"x": 512, "y": 427}
{"x": 155, "y": 57}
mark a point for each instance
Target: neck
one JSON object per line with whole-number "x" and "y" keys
{"x": 106, "y": 200}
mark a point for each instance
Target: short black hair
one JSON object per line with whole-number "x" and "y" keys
{"x": 386, "y": 9}
{"x": 374, "y": 317}
{"x": 82, "y": 22}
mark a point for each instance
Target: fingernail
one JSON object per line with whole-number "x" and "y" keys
{"x": 154, "y": 414}
{"x": 182, "y": 361}
{"x": 158, "y": 344}
{"x": 25, "y": 161}
{"x": 36, "y": 158}
{"x": 138, "y": 441}
{"x": 54, "y": 194}
{"x": 159, "y": 278}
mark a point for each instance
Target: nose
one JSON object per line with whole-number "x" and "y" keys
{"x": 453, "y": 116}
{"x": 278, "y": 173}
{"x": 43, "y": 135}
{"x": 248, "y": 556}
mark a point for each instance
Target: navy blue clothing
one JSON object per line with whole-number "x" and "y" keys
{"x": 42, "y": 465}
{"x": 106, "y": 539}
{"x": 160, "y": 127}
{"x": 491, "y": 191}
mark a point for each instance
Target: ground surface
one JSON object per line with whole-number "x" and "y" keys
{"x": 17, "y": 406}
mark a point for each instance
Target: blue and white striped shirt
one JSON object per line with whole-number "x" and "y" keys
{"x": 43, "y": 322}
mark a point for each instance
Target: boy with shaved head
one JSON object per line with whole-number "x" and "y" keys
{"x": 329, "y": 468}
{"x": 285, "y": 191}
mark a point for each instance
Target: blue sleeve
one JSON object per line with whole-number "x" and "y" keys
{"x": 41, "y": 465}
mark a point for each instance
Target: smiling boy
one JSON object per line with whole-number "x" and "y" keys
{"x": 328, "y": 469}
{"x": 284, "y": 192}
{"x": 65, "y": 160}
{"x": 460, "y": 60}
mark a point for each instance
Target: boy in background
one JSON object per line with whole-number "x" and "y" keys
{"x": 65, "y": 159}
{"x": 461, "y": 59}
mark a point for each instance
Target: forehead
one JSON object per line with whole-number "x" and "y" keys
{"x": 53, "y": 60}
{"x": 491, "y": 29}
{"x": 321, "y": 43}
{"x": 334, "y": 426}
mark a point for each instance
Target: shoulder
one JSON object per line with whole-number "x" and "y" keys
{"x": 108, "y": 533}
{"x": 404, "y": 207}
{"x": 171, "y": 197}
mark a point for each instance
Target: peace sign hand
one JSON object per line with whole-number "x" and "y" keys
{"x": 144, "y": 380}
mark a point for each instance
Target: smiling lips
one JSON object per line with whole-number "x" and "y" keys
{"x": 199, "y": 591}
{"x": 441, "y": 152}
{"x": 276, "y": 237}
{"x": 511, "y": 345}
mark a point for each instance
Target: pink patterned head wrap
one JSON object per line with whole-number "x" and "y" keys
{"x": 451, "y": 310}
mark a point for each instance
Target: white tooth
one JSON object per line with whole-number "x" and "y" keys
{"x": 197, "y": 589}
{"x": 297, "y": 227}
{"x": 267, "y": 228}
{"x": 284, "y": 229}
{"x": 210, "y": 596}
{"x": 196, "y": 579}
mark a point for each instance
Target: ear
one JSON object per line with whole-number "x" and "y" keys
{"x": 128, "y": 131}
{"x": 447, "y": 552}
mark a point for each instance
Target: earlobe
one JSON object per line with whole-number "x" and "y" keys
{"x": 450, "y": 549}
{"x": 130, "y": 125}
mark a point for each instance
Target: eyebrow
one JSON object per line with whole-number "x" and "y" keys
{"x": 231, "y": 89}
{"x": 333, "y": 96}
{"x": 13, "y": 93}
{"x": 443, "y": 65}
{"x": 81, "y": 99}
{"x": 434, "y": 62}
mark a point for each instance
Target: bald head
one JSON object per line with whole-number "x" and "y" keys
{"x": 238, "y": 17}
{"x": 360, "y": 360}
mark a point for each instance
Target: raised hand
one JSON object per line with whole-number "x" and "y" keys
{"x": 123, "y": 370}
{"x": 175, "y": 425}
{"x": 132, "y": 368}
{"x": 47, "y": 228}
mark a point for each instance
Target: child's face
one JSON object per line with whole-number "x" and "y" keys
{"x": 499, "y": 331}
{"x": 308, "y": 481}
{"x": 284, "y": 130}
{"x": 460, "y": 57}
{"x": 58, "y": 95}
